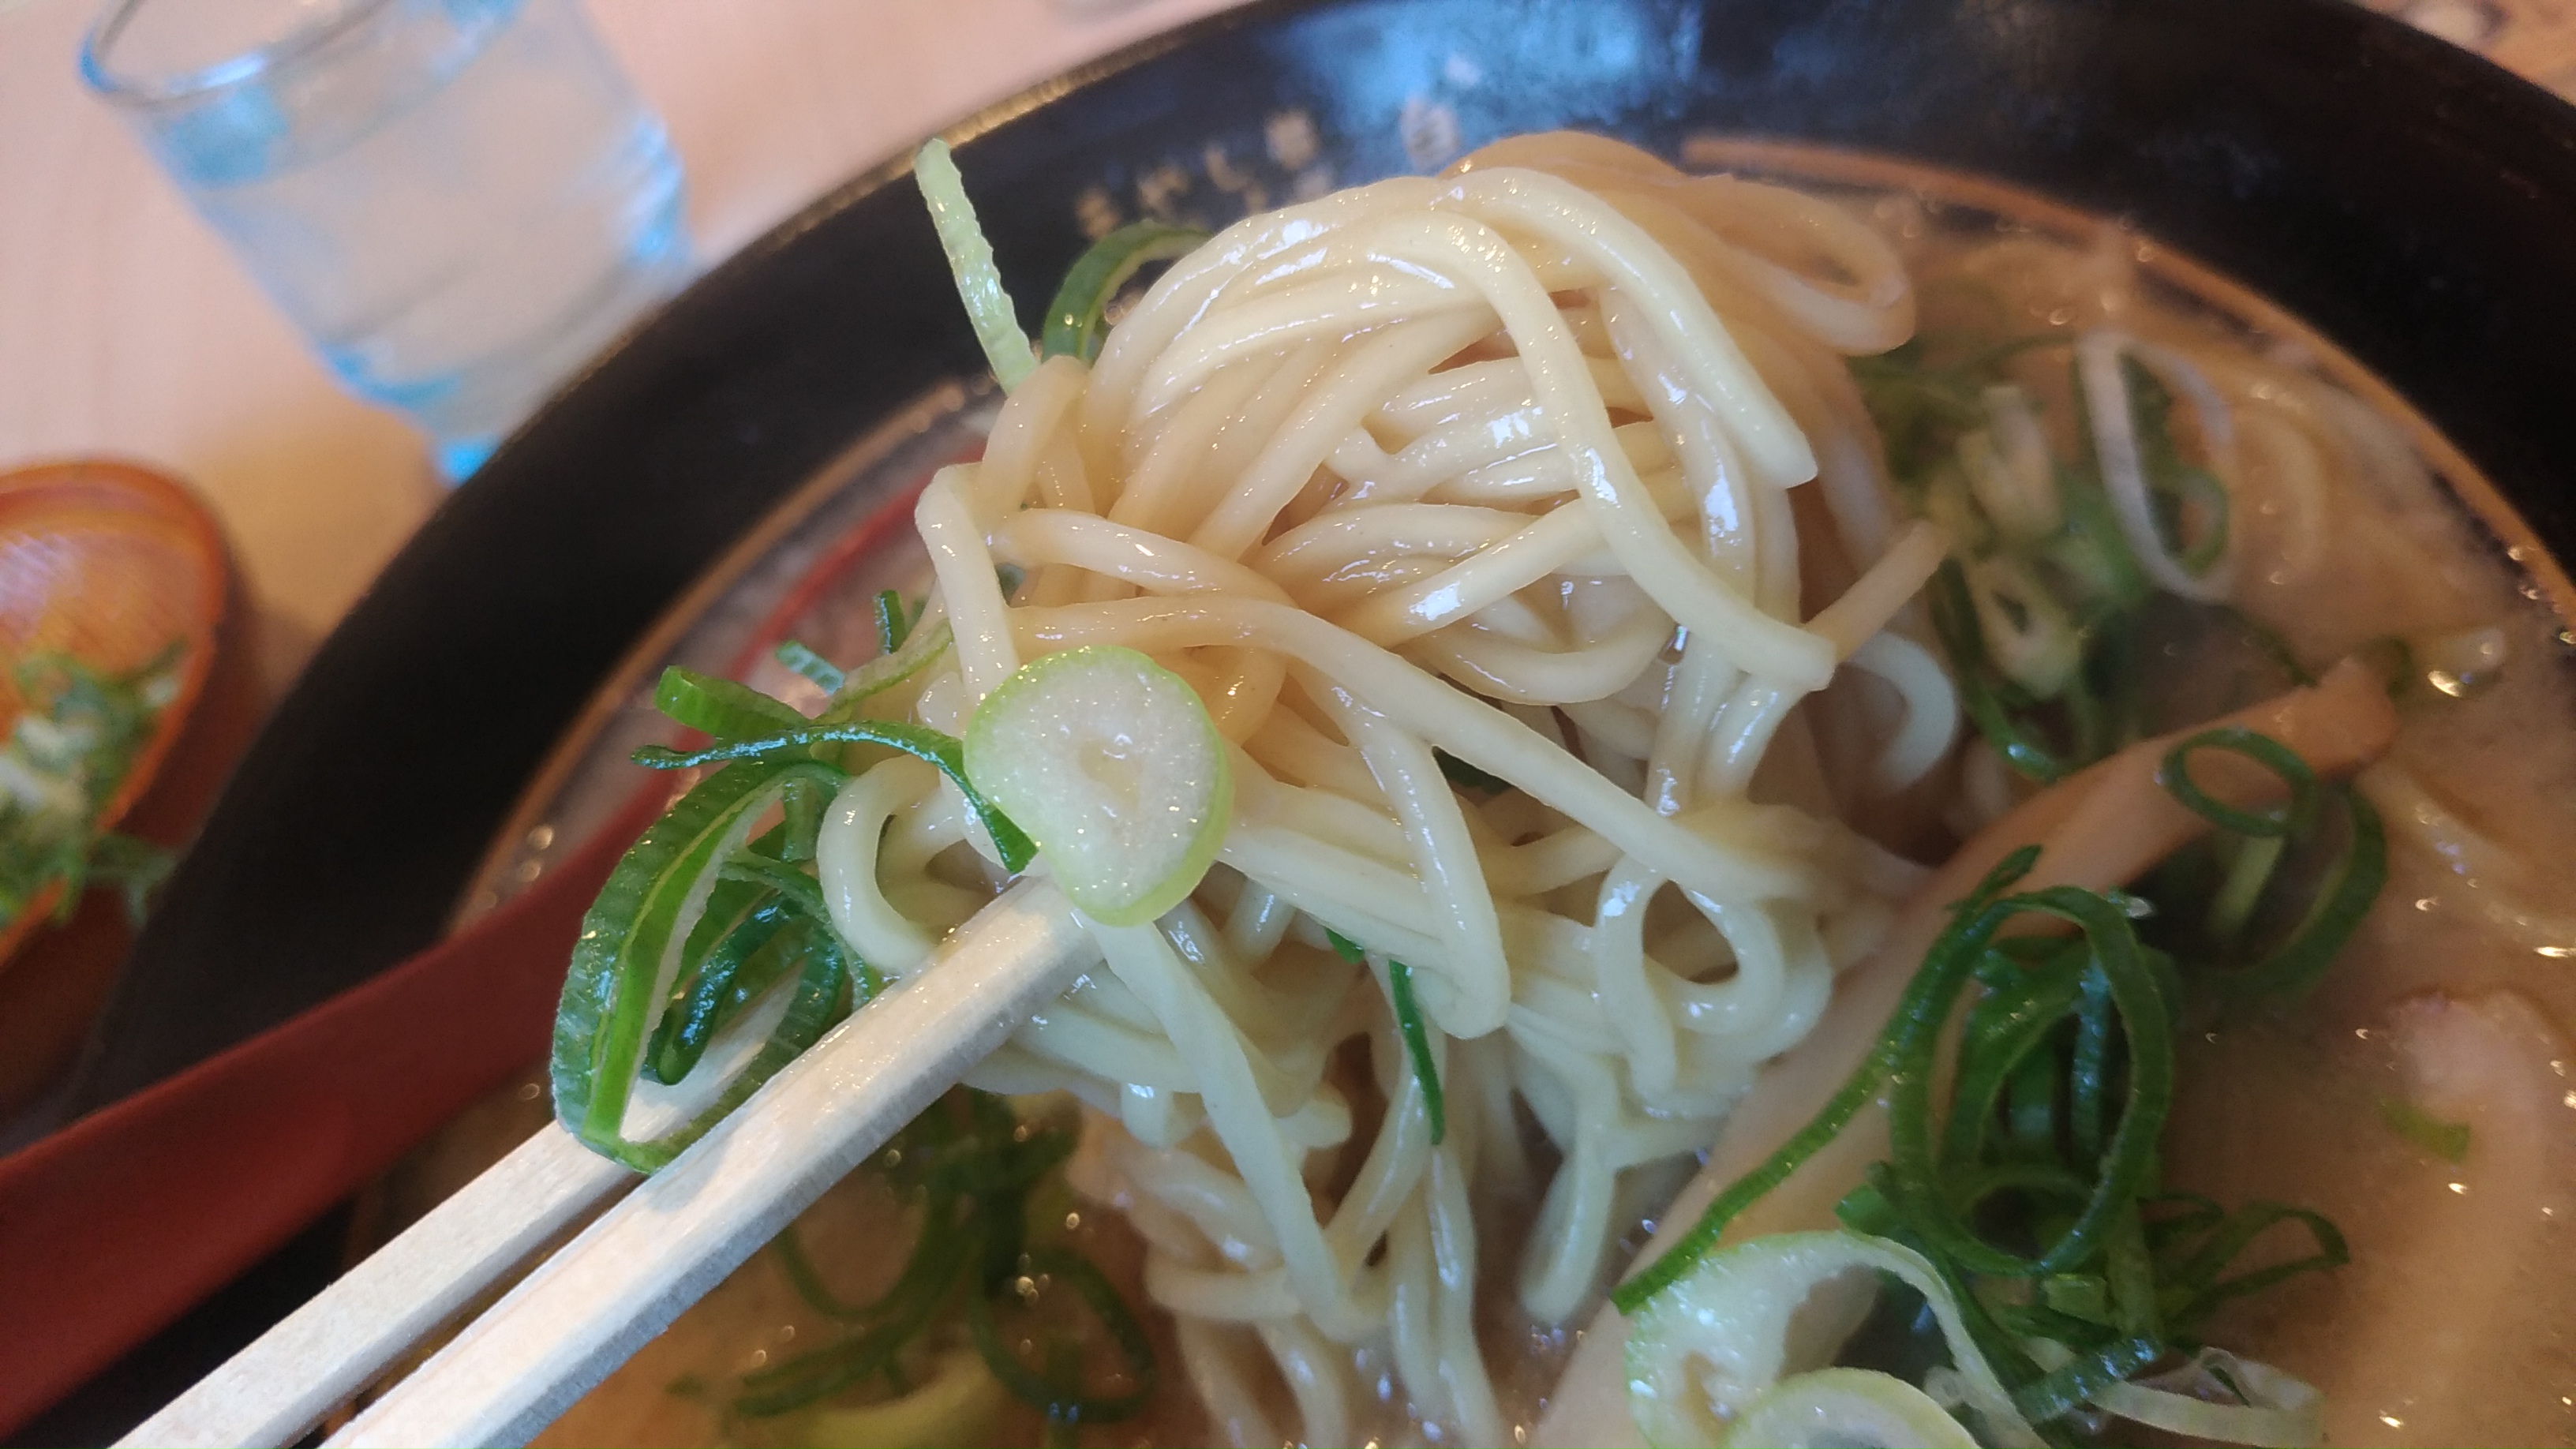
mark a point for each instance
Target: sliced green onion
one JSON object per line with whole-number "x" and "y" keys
{"x": 914, "y": 740}
{"x": 1467, "y": 777}
{"x": 970, "y": 260}
{"x": 1918, "y": 1016}
{"x": 1866, "y": 1210}
{"x": 2275, "y": 1410}
{"x": 2169, "y": 1235}
{"x": 1409, "y": 1024}
{"x": 955, "y": 1405}
{"x": 809, "y": 1285}
{"x": 62, "y": 761}
{"x": 801, "y": 809}
{"x": 1063, "y": 1403}
{"x": 2092, "y": 720}
{"x": 801, "y": 1381}
{"x": 1920, "y": 410}
{"x": 801, "y": 891}
{"x": 2448, "y": 1141}
{"x": 2195, "y": 485}
{"x": 973, "y": 1163}
{"x": 2292, "y": 819}
{"x": 2248, "y": 872}
{"x": 890, "y": 622}
{"x": 2078, "y": 1295}
{"x": 2296, "y": 965}
{"x": 1076, "y": 317}
{"x": 2025, "y": 632}
{"x": 1702, "y": 1356}
{"x": 748, "y": 961}
{"x": 2129, "y": 1269}
{"x": 2194, "y": 1290}
{"x": 630, "y": 952}
{"x": 1846, "y": 1406}
{"x": 1949, "y": 505}
{"x": 823, "y": 673}
{"x": 2009, "y": 469}
{"x": 2074, "y": 1383}
{"x": 1417, "y": 1044}
{"x": 720, "y": 707}
{"x": 2016, "y": 1018}
{"x": 791, "y": 885}
{"x": 2125, "y": 408}
{"x": 1116, "y": 770}
{"x": 1954, "y": 619}
{"x": 920, "y": 647}
{"x": 2093, "y": 551}
{"x": 2088, "y": 1071}
{"x": 2128, "y": 1164}
{"x": 2060, "y": 1084}
{"x": 2030, "y": 1104}
{"x": 2268, "y": 642}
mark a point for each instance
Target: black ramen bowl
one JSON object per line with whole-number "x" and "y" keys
{"x": 2413, "y": 203}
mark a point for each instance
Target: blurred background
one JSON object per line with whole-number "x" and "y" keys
{"x": 130, "y": 330}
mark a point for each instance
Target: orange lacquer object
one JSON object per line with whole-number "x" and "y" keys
{"x": 111, "y": 563}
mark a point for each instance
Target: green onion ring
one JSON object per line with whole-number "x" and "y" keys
{"x": 1954, "y": 621}
{"x": 2295, "y": 965}
{"x": 1066, "y": 1404}
{"x": 1417, "y": 1045}
{"x": 2128, "y": 1158}
{"x": 2294, "y": 819}
{"x": 2198, "y": 1291}
{"x": 719, "y": 707}
{"x": 923, "y": 744}
{"x": 2071, "y": 1385}
{"x": 748, "y": 961}
{"x": 905, "y": 1311}
{"x": 615, "y": 987}
{"x": 2005, "y": 1027}
{"x": 1075, "y": 318}
{"x": 1918, "y": 1016}
{"x": 822, "y": 673}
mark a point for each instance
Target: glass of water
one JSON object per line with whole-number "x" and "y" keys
{"x": 458, "y": 201}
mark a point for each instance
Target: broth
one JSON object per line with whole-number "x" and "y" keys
{"x": 2448, "y": 1325}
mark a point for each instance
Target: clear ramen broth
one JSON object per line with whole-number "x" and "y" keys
{"x": 2422, "y": 1098}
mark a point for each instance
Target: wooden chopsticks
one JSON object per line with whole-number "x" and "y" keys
{"x": 626, "y": 1276}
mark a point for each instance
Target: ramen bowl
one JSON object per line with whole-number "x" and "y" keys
{"x": 2406, "y": 202}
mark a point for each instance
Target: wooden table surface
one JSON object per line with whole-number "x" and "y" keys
{"x": 126, "y": 328}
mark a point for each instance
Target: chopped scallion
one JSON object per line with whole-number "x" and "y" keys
{"x": 970, "y": 260}
{"x": 823, "y": 673}
{"x": 2448, "y": 1141}
{"x": 1417, "y": 1044}
{"x": 1075, "y": 319}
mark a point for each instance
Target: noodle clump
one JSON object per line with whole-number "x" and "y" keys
{"x": 1503, "y": 521}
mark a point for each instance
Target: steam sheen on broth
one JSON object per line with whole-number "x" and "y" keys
{"x": 1515, "y": 528}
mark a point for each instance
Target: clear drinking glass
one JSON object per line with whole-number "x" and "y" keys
{"x": 458, "y": 201}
